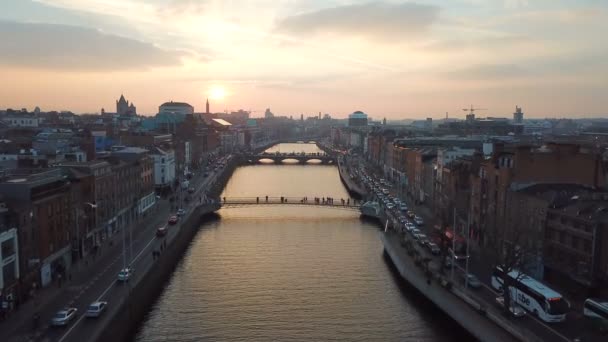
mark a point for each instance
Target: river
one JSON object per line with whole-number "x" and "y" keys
{"x": 290, "y": 273}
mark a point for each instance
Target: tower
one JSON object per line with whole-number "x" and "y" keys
{"x": 122, "y": 105}
{"x": 518, "y": 116}
{"x": 207, "y": 107}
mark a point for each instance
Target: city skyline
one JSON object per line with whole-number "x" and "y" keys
{"x": 390, "y": 59}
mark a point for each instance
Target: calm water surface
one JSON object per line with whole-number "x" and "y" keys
{"x": 290, "y": 273}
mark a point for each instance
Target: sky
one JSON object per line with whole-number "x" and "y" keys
{"x": 393, "y": 59}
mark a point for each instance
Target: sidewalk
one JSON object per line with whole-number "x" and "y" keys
{"x": 81, "y": 272}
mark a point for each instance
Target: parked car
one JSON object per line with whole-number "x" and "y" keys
{"x": 181, "y": 212}
{"x": 161, "y": 231}
{"x": 419, "y": 221}
{"x": 515, "y": 309}
{"x": 472, "y": 281}
{"x": 96, "y": 309}
{"x": 191, "y": 190}
{"x": 390, "y": 206}
{"x": 434, "y": 248}
{"x": 403, "y": 207}
{"x": 411, "y": 214}
{"x": 173, "y": 219}
{"x": 125, "y": 274}
{"x": 63, "y": 317}
{"x": 422, "y": 240}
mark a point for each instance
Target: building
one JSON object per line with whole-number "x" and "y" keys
{"x": 515, "y": 167}
{"x": 518, "y": 116}
{"x": 176, "y": 108}
{"x": 357, "y": 119}
{"x": 40, "y": 204}
{"x": 268, "y": 114}
{"x": 164, "y": 167}
{"x": 97, "y": 182}
{"x": 25, "y": 120}
{"x": 123, "y": 108}
{"x": 9, "y": 261}
{"x": 143, "y": 189}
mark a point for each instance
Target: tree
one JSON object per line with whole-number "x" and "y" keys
{"x": 509, "y": 250}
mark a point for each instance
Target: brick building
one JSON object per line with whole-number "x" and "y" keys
{"x": 40, "y": 206}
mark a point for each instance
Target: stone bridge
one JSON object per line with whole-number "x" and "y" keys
{"x": 301, "y": 158}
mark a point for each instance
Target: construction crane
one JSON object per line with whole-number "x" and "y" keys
{"x": 472, "y": 110}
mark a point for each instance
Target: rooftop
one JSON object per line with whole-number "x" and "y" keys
{"x": 222, "y": 122}
{"x": 176, "y": 104}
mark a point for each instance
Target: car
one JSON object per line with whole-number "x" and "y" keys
{"x": 181, "y": 212}
{"x": 161, "y": 231}
{"x": 403, "y": 207}
{"x": 515, "y": 309}
{"x": 411, "y": 214}
{"x": 385, "y": 191}
{"x": 191, "y": 190}
{"x": 63, "y": 317}
{"x": 419, "y": 221}
{"x": 422, "y": 239}
{"x": 434, "y": 248}
{"x": 472, "y": 281}
{"x": 125, "y": 274}
{"x": 96, "y": 309}
{"x": 415, "y": 232}
{"x": 390, "y": 206}
{"x": 206, "y": 174}
{"x": 173, "y": 219}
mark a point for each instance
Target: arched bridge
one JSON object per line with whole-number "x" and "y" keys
{"x": 335, "y": 203}
{"x": 301, "y": 158}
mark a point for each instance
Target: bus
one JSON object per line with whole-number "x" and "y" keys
{"x": 532, "y": 295}
{"x": 595, "y": 309}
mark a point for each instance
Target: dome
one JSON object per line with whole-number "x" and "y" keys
{"x": 358, "y": 115}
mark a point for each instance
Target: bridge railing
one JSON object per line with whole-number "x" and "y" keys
{"x": 336, "y": 202}
{"x": 293, "y": 154}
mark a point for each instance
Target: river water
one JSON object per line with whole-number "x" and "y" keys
{"x": 290, "y": 273}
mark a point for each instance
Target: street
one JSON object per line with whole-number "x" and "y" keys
{"x": 97, "y": 278}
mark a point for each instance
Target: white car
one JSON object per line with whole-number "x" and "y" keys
{"x": 63, "y": 317}
{"x": 125, "y": 274}
{"x": 390, "y": 206}
{"x": 181, "y": 212}
{"x": 96, "y": 309}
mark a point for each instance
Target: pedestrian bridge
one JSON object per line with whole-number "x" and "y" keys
{"x": 336, "y": 203}
{"x": 301, "y": 158}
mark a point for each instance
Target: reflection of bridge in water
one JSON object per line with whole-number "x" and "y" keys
{"x": 336, "y": 203}
{"x": 301, "y": 158}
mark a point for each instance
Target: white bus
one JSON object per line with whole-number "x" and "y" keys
{"x": 595, "y": 309}
{"x": 533, "y": 295}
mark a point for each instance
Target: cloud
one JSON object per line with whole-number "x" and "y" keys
{"x": 373, "y": 20}
{"x": 489, "y": 72}
{"x": 64, "y": 47}
{"x": 184, "y": 6}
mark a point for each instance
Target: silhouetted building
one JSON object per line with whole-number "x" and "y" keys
{"x": 357, "y": 119}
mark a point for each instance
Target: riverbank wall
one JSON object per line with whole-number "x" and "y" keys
{"x": 482, "y": 322}
{"x": 354, "y": 189}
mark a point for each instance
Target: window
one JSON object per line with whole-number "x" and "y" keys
{"x": 8, "y": 248}
{"x": 8, "y": 272}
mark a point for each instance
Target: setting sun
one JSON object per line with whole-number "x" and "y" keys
{"x": 217, "y": 93}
